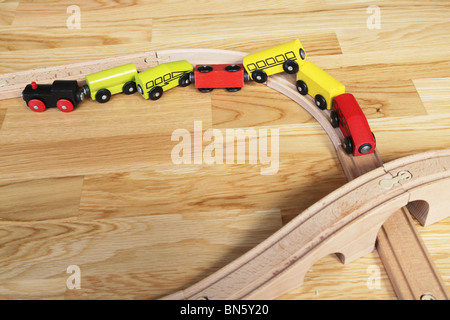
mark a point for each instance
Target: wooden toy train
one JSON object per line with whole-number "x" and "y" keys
{"x": 290, "y": 57}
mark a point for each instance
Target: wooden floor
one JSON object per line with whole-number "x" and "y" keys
{"x": 98, "y": 188}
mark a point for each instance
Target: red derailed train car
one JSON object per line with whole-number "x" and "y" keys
{"x": 348, "y": 116}
{"x": 219, "y": 76}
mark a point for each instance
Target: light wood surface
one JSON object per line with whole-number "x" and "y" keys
{"x": 97, "y": 188}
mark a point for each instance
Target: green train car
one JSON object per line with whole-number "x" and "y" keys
{"x": 100, "y": 86}
{"x": 153, "y": 82}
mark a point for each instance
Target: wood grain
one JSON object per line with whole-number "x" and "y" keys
{"x": 7, "y": 12}
{"x": 158, "y": 244}
{"x": 40, "y": 199}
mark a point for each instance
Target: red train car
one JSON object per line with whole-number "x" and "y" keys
{"x": 219, "y": 76}
{"x": 348, "y": 116}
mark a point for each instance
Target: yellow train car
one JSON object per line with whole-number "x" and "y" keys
{"x": 287, "y": 57}
{"x": 319, "y": 84}
{"x": 153, "y": 82}
{"x": 102, "y": 85}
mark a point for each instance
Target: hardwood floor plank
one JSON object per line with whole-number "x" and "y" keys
{"x": 40, "y": 199}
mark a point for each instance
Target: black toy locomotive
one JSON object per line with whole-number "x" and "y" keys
{"x": 62, "y": 94}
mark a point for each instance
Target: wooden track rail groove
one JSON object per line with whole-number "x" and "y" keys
{"x": 346, "y": 222}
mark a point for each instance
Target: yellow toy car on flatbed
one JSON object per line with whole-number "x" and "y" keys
{"x": 287, "y": 57}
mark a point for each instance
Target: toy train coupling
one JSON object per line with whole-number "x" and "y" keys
{"x": 86, "y": 91}
{"x": 246, "y": 76}
{"x": 192, "y": 77}
{"x": 236, "y": 68}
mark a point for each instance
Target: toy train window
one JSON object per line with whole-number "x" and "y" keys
{"x": 167, "y": 77}
{"x": 158, "y": 80}
{"x": 150, "y": 84}
{"x": 251, "y": 67}
{"x": 270, "y": 61}
{"x": 290, "y": 55}
{"x": 177, "y": 74}
{"x": 261, "y": 63}
{"x": 280, "y": 58}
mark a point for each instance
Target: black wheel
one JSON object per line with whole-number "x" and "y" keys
{"x": 290, "y": 66}
{"x": 334, "y": 119}
{"x": 129, "y": 87}
{"x": 205, "y": 90}
{"x": 365, "y": 148}
{"x": 205, "y": 69}
{"x": 232, "y": 68}
{"x": 320, "y": 102}
{"x": 302, "y": 87}
{"x": 302, "y": 53}
{"x": 184, "y": 80}
{"x": 103, "y": 95}
{"x": 348, "y": 145}
{"x": 259, "y": 76}
{"x": 233, "y": 89}
{"x": 155, "y": 93}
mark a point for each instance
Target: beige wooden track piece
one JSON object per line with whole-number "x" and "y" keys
{"x": 345, "y": 222}
{"x": 12, "y": 84}
{"x": 404, "y": 255}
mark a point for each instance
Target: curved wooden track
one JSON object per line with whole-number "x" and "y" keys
{"x": 334, "y": 224}
{"x": 346, "y": 222}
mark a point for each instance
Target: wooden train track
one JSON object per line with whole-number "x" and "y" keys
{"x": 347, "y": 221}
{"x": 398, "y": 243}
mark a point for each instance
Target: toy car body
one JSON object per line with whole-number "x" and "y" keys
{"x": 62, "y": 94}
{"x": 319, "y": 84}
{"x": 348, "y": 116}
{"x": 287, "y": 57}
{"x": 153, "y": 82}
{"x": 100, "y": 86}
{"x": 216, "y": 76}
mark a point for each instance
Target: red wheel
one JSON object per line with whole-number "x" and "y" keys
{"x": 64, "y": 105}
{"x": 36, "y": 105}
